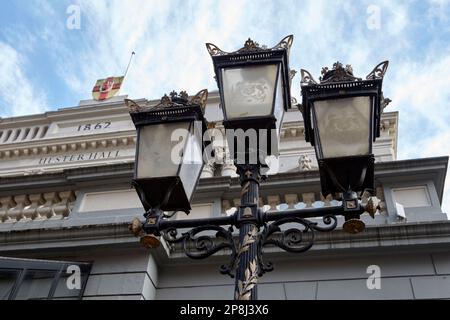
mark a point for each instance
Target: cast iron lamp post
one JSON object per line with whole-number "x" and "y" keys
{"x": 342, "y": 119}
{"x": 254, "y": 84}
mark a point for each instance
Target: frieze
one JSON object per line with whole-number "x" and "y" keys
{"x": 51, "y": 162}
{"x": 98, "y": 155}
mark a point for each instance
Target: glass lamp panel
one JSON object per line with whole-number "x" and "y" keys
{"x": 343, "y": 126}
{"x": 192, "y": 163}
{"x": 157, "y": 155}
{"x": 278, "y": 113}
{"x": 279, "y": 106}
{"x": 248, "y": 92}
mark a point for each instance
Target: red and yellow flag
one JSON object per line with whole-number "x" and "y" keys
{"x": 106, "y": 88}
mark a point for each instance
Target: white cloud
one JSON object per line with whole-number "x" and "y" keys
{"x": 169, "y": 36}
{"x": 18, "y": 96}
{"x": 420, "y": 91}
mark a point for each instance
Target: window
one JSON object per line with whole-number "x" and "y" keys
{"x": 25, "y": 279}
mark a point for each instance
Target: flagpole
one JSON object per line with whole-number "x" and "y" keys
{"x": 126, "y": 71}
{"x": 128, "y": 66}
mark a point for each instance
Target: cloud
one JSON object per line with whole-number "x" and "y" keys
{"x": 420, "y": 91}
{"x": 169, "y": 36}
{"x": 18, "y": 95}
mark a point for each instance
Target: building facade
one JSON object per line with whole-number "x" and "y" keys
{"x": 66, "y": 199}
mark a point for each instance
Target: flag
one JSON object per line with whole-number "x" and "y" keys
{"x": 106, "y": 88}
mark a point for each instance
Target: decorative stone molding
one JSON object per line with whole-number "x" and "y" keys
{"x": 387, "y": 125}
{"x": 308, "y": 199}
{"x": 63, "y": 208}
{"x": 29, "y": 212}
{"x": 16, "y": 135}
{"x": 291, "y": 200}
{"x": 41, "y": 206}
{"x": 44, "y": 211}
{"x": 305, "y": 163}
{"x": 6, "y": 204}
{"x": 50, "y": 148}
{"x": 208, "y": 170}
{"x": 16, "y": 213}
{"x": 228, "y": 167}
{"x": 326, "y": 200}
{"x": 274, "y": 202}
{"x": 382, "y": 204}
{"x": 292, "y": 130}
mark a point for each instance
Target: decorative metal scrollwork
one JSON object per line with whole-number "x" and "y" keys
{"x": 200, "y": 98}
{"x": 379, "y": 71}
{"x": 293, "y": 239}
{"x": 307, "y": 78}
{"x": 285, "y": 43}
{"x": 214, "y": 50}
{"x": 251, "y": 46}
{"x": 339, "y": 73}
{"x": 132, "y": 106}
{"x": 174, "y": 99}
{"x": 197, "y": 246}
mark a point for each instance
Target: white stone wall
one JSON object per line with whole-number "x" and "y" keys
{"x": 102, "y": 133}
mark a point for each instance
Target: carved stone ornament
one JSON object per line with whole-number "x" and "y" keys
{"x": 305, "y": 163}
{"x": 384, "y": 102}
{"x": 251, "y": 46}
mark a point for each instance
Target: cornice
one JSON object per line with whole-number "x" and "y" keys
{"x": 424, "y": 236}
{"x": 49, "y": 144}
{"x": 73, "y": 143}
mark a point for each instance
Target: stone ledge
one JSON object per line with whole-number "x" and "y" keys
{"x": 399, "y": 236}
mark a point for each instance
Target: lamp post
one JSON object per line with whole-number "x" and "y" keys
{"x": 169, "y": 154}
{"x": 254, "y": 84}
{"x": 342, "y": 120}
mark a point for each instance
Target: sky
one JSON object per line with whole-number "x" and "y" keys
{"x": 52, "y": 52}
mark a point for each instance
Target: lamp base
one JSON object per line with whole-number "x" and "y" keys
{"x": 165, "y": 193}
{"x": 347, "y": 173}
{"x": 353, "y": 226}
{"x": 150, "y": 241}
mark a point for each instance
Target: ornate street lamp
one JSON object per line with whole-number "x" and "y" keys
{"x": 169, "y": 152}
{"x": 254, "y": 85}
{"x": 342, "y": 120}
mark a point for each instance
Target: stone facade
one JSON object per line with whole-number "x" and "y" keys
{"x": 65, "y": 195}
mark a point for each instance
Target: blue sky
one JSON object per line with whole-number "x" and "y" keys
{"x": 45, "y": 66}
